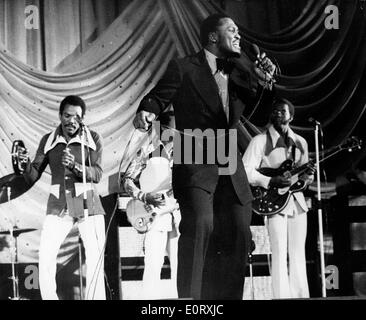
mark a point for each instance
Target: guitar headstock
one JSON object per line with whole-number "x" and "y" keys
{"x": 351, "y": 144}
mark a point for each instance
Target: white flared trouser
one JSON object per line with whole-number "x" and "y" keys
{"x": 54, "y": 231}
{"x": 156, "y": 243}
{"x": 287, "y": 234}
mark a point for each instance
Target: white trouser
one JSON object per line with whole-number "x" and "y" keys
{"x": 156, "y": 242}
{"x": 54, "y": 231}
{"x": 288, "y": 234}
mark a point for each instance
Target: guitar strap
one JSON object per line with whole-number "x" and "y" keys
{"x": 269, "y": 145}
{"x": 293, "y": 155}
{"x": 293, "y": 152}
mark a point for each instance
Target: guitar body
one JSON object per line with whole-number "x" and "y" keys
{"x": 139, "y": 215}
{"x": 267, "y": 202}
{"x": 287, "y": 165}
{"x": 270, "y": 201}
{"x": 142, "y": 216}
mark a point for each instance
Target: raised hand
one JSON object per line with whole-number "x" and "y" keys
{"x": 265, "y": 70}
{"x": 143, "y": 120}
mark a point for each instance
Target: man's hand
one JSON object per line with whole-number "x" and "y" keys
{"x": 23, "y": 156}
{"x": 265, "y": 70}
{"x": 311, "y": 168}
{"x": 68, "y": 159}
{"x": 308, "y": 176}
{"x": 280, "y": 181}
{"x": 143, "y": 120}
{"x": 155, "y": 199}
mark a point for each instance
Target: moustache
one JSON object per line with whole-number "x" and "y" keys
{"x": 71, "y": 126}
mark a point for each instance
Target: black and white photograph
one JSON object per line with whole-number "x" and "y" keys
{"x": 183, "y": 153}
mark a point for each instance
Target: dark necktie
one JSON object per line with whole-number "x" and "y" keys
{"x": 224, "y": 65}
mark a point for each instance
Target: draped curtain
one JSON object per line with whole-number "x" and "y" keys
{"x": 59, "y": 31}
{"x": 118, "y": 53}
{"x": 111, "y": 74}
{"x": 323, "y": 74}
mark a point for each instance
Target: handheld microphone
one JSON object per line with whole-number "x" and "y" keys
{"x": 257, "y": 57}
{"x": 80, "y": 121}
{"x": 254, "y": 51}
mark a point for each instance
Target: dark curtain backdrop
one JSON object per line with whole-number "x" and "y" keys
{"x": 266, "y": 16}
{"x": 112, "y": 52}
{"x": 323, "y": 74}
{"x": 322, "y": 70}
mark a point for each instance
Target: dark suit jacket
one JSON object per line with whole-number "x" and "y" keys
{"x": 190, "y": 86}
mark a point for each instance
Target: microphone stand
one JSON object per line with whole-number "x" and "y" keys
{"x": 250, "y": 260}
{"x": 86, "y": 214}
{"x": 85, "y": 203}
{"x": 14, "y": 256}
{"x": 320, "y": 215}
{"x": 80, "y": 268}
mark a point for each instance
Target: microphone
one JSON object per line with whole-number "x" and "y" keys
{"x": 314, "y": 121}
{"x": 254, "y": 51}
{"x": 251, "y": 50}
{"x": 255, "y": 55}
{"x": 80, "y": 121}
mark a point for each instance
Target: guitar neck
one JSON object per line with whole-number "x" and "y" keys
{"x": 300, "y": 169}
{"x": 333, "y": 151}
{"x": 287, "y": 165}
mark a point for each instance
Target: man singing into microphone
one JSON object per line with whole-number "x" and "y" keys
{"x": 61, "y": 150}
{"x": 215, "y": 209}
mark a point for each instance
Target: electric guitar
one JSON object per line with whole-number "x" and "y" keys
{"x": 142, "y": 216}
{"x": 270, "y": 201}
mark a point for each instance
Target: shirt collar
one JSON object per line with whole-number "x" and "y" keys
{"x": 57, "y": 137}
{"x": 211, "y": 59}
{"x": 275, "y": 136}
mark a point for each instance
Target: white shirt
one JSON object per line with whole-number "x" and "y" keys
{"x": 222, "y": 81}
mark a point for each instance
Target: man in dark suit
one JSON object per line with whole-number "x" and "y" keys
{"x": 215, "y": 207}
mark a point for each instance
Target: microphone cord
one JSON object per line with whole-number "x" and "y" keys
{"x": 259, "y": 100}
